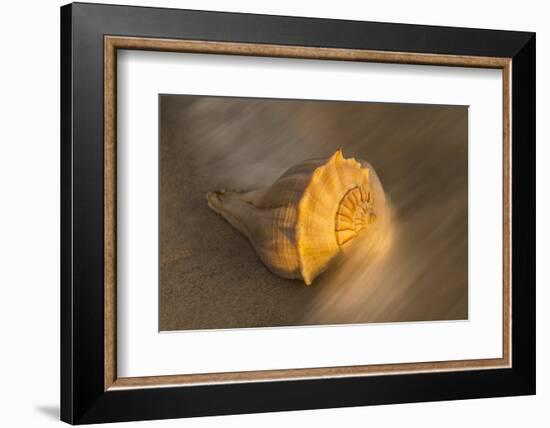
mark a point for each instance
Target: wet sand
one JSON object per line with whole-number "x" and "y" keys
{"x": 210, "y": 276}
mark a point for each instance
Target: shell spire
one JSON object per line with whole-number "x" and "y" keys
{"x": 299, "y": 224}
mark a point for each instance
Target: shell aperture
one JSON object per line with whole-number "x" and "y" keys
{"x": 301, "y": 222}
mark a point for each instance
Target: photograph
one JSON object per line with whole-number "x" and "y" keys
{"x": 291, "y": 212}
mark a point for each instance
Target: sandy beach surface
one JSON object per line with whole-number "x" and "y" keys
{"x": 210, "y": 276}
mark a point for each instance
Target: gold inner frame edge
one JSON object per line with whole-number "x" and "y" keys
{"x": 113, "y": 43}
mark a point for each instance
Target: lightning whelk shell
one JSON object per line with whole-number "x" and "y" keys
{"x": 300, "y": 223}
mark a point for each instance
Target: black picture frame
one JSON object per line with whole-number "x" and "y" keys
{"x": 83, "y": 396}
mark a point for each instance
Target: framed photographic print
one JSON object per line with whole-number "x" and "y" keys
{"x": 265, "y": 213}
